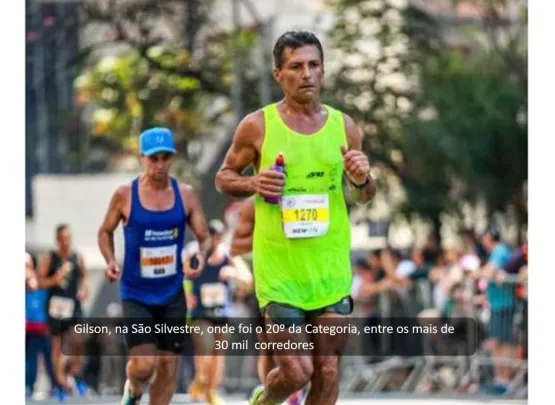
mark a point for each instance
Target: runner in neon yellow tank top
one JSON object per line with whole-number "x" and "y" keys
{"x": 301, "y": 244}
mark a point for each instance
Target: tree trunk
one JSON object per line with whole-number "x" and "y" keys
{"x": 191, "y": 26}
{"x": 436, "y": 229}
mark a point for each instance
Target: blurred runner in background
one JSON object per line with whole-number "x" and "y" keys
{"x": 37, "y": 341}
{"x": 62, "y": 271}
{"x": 241, "y": 244}
{"x": 211, "y": 296}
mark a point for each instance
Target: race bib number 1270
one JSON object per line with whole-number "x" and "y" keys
{"x": 305, "y": 215}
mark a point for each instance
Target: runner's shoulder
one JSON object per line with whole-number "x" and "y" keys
{"x": 187, "y": 192}
{"x": 122, "y": 193}
{"x": 340, "y": 115}
{"x": 351, "y": 129}
{"x": 185, "y": 188}
{"x": 251, "y": 126}
{"x": 254, "y": 118}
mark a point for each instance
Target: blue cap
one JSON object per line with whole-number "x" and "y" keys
{"x": 155, "y": 140}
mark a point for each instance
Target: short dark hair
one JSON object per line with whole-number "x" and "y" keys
{"x": 294, "y": 40}
{"x": 60, "y": 228}
{"x": 495, "y": 232}
{"x": 363, "y": 264}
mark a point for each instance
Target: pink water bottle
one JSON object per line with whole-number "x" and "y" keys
{"x": 279, "y": 166}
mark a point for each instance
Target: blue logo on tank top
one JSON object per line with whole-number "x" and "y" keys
{"x": 168, "y": 234}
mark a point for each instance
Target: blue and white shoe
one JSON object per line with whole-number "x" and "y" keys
{"x": 128, "y": 399}
{"x": 80, "y": 386}
{"x": 61, "y": 394}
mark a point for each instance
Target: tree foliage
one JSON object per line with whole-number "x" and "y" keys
{"x": 441, "y": 104}
{"x": 178, "y": 76}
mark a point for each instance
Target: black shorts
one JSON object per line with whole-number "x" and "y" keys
{"x": 58, "y": 327}
{"x": 220, "y": 321}
{"x": 288, "y": 315}
{"x": 160, "y": 325}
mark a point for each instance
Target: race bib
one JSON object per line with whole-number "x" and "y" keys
{"x": 305, "y": 216}
{"x": 61, "y": 307}
{"x": 158, "y": 261}
{"x": 213, "y": 295}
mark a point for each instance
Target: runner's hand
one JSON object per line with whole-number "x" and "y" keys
{"x": 193, "y": 267}
{"x": 66, "y": 267}
{"x": 112, "y": 272}
{"x": 82, "y": 294}
{"x": 356, "y": 165}
{"x": 32, "y": 283}
{"x": 228, "y": 273}
{"x": 269, "y": 183}
{"x": 191, "y": 300}
{"x": 59, "y": 276}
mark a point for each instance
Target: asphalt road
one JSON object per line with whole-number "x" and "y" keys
{"x": 184, "y": 399}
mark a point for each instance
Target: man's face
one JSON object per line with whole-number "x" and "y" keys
{"x": 63, "y": 239}
{"x": 158, "y": 165}
{"x": 301, "y": 73}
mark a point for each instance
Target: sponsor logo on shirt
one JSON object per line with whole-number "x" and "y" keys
{"x": 314, "y": 175}
{"x": 167, "y": 234}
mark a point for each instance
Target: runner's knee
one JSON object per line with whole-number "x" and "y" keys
{"x": 142, "y": 367}
{"x": 298, "y": 370}
{"x": 167, "y": 366}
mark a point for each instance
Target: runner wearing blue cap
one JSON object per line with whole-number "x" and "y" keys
{"x": 154, "y": 209}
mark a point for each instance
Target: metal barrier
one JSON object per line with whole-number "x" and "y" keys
{"x": 499, "y": 309}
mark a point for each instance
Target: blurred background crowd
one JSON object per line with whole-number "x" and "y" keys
{"x": 439, "y": 90}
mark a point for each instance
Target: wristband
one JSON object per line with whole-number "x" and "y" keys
{"x": 359, "y": 186}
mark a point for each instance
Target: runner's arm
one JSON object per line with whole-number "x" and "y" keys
{"x": 44, "y": 280}
{"x": 83, "y": 281}
{"x": 354, "y": 142}
{"x": 241, "y": 154}
{"x": 31, "y": 281}
{"x": 241, "y": 242}
{"x": 112, "y": 218}
{"x": 196, "y": 219}
{"x": 28, "y": 263}
{"x": 241, "y": 273}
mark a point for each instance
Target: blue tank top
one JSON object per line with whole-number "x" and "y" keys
{"x": 152, "y": 266}
{"x": 213, "y": 296}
